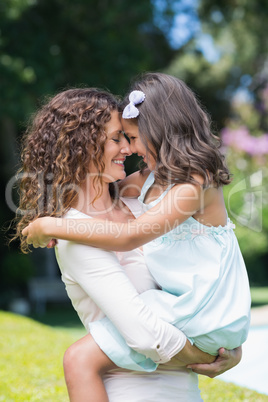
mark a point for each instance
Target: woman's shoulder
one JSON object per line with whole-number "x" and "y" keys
{"x": 73, "y": 213}
{"x": 133, "y": 205}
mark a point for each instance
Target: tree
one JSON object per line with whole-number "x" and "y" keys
{"x": 238, "y": 30}
{"x": 49, "y": 45}
{"x": 234, "y": 89}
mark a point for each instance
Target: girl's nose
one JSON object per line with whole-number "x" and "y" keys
{"x": 126, "y": 147}
{"x": 132, "y": 148}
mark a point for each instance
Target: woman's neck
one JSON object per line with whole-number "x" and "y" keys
{"x": 90, "y": 205}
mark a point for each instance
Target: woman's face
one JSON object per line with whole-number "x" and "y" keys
{"x": 136, "y": 145}
{"x": 116, "y": 149}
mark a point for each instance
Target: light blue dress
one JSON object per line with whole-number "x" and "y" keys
{"x": 206, "y": 290}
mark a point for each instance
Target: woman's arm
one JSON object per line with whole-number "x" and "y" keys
{"x": 102, "y": 278}
{"x": 181, "y": 202}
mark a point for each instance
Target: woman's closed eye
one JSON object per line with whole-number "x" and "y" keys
{"x": 118, "y": 136}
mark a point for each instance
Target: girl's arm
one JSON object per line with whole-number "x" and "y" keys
{"x": 181, "y": 202}
{"x": 226, "y": 360}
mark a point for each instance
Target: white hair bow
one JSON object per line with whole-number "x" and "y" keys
{"x": 130, "y": 111}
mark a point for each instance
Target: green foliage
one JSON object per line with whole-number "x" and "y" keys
{"x": 207, "y": 80}
{"x": 259, "y": 296}
{"x": 31, "y": 365}
{"x": 238, "y": 30}
{"x": 248, "y": 209}
{"x": 17, "y": 268}
{"x": 47, "y": 45}
{"x": 246, "y": 198}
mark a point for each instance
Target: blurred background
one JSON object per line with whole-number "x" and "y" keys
{"x": 219, "y": 48}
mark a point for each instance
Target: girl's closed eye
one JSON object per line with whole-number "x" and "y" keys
{"x": 132, "y": 138}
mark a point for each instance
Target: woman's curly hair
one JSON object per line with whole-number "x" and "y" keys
{"x": 63, "y": 138}
{"x": 174, "y": 123}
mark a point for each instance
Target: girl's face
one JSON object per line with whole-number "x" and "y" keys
{"x": 136, "y": 145}
{"x": 116, "y": 149}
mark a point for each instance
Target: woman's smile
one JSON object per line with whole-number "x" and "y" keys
{"x": 116, "y": 149}
{"x": 119, "y": 162}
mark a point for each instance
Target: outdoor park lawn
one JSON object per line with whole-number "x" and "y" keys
{"x": 259, "y": 296}
{"x": 31, "y": 365}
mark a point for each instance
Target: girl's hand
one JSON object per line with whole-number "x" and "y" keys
{"x": 190, "y": 354}
{"x": 226, "y": 360}
{"x": 52, "y": 243}
{"x": 36, "y": 232}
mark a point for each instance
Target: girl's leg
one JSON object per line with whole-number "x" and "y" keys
{"x": 84, "y": 364}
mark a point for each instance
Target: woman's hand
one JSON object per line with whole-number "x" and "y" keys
{"x": 226, "y": 360}
{"x": 36, "y": 232}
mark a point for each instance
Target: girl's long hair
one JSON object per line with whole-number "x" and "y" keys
{"x": 57, "y": 148}
{"x": 174, "y": 123}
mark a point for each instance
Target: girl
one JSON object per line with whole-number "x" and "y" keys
{"x": 190, "y": 247}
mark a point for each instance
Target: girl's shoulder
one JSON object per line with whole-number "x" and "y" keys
{"x": 199, "y": 179}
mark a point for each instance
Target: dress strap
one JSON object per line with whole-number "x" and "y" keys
{"x": 147, "y": 184}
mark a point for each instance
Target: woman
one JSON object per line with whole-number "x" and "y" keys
{"x": 72, "y": 152}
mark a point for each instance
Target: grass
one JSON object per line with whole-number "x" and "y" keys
{"x": 259, "y": 296}
{"x": 213, "y": 390}
{"x": 31, "y": 364}
{"x": 31, "y": 360}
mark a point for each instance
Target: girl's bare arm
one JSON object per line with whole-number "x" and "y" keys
{"x": 181, "y": 202}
